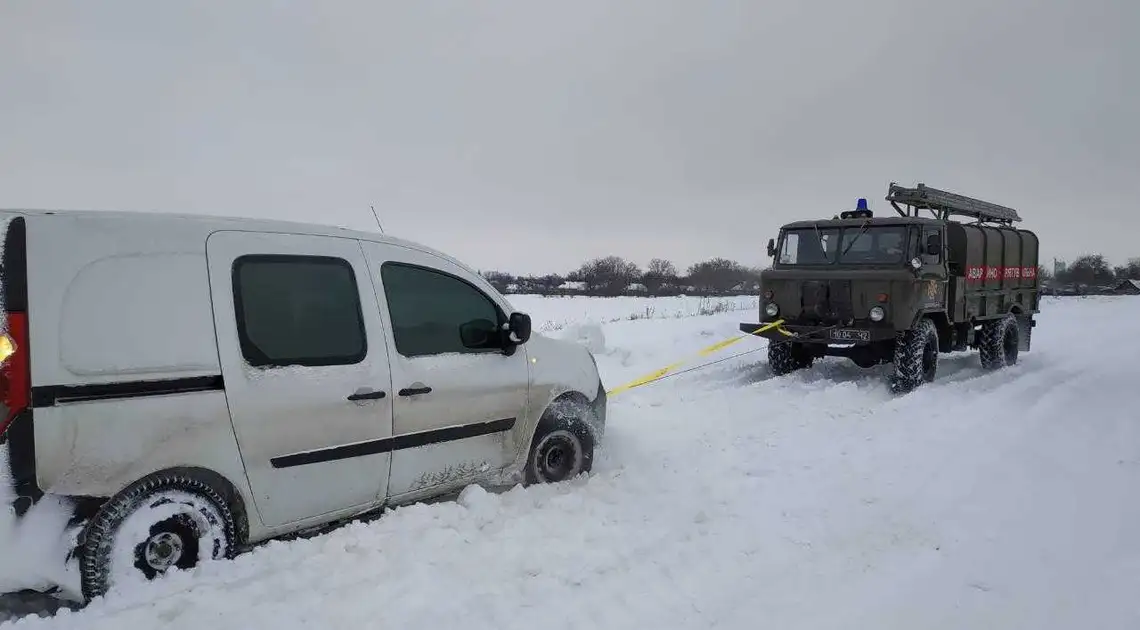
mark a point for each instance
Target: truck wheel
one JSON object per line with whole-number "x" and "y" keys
{"x": 563, "y": 445}
{"x": 916, "y": 356}
{"x": 785, "y": 357}
{"x": 1000, "y": 342}
{"x": 164, "y": 521}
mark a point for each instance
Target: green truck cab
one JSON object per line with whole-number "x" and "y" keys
{"x": 901, "y": 289}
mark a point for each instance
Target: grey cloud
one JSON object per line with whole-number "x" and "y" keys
{"x": 529, "y": 136}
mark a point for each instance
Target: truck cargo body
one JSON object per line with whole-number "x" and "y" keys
{"x": 993, "y": 268}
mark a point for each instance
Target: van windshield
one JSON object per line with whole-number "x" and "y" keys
{"x": 855, "y": 245}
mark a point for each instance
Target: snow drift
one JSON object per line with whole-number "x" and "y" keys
{"x": 33, "y": 549}
{"x": 728, "y": 498}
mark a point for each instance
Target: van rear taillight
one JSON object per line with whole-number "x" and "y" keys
{"x": 14, "y": 373}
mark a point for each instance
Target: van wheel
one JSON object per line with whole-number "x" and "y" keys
{"x": 916, "y": 356}
{"x": 168, "y": 520}
{"x": 1000, "y": 343}
{"x": 563, "y": 445}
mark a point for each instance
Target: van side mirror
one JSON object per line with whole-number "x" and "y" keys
{"x": 933, "y": 245}
{"x": 519, "y": 328}
{"x": 771, "y": 248}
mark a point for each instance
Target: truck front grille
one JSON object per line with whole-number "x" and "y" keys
{"x": 827, "y": 300}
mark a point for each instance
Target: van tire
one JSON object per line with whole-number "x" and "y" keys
{"x": 170, "y": 540}
{"x": 916, "y": 356}
{"x": 563, "y": 443}
{"x": 1000, "y": 342}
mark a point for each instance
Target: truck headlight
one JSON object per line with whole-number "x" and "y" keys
{"x": 772, "y": 309}
{"x": 877, "y": 313}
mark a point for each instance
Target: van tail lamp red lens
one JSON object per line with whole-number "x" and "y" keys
{"x": 883, "y": 297}
{"x": 768, "y": 294}
{"x": 14, "y": 377}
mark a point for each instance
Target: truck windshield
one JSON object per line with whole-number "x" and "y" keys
{"x": 855, "y": 245}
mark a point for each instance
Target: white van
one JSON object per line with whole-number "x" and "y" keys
{"x": 200, "y": 384}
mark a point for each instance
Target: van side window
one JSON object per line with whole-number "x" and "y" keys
{"x": 436, "y": 313}
{"x": 298, "y": 310}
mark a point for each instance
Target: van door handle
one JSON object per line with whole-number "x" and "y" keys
{"x": 415, "y": 391}
{"x": 365, "y": 395}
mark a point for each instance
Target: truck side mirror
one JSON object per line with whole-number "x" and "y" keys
{"x": 933, "y": 245}
{"x": 771, "y": 248}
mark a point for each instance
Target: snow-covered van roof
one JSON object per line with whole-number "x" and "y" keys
{"x": 210, "y": 223}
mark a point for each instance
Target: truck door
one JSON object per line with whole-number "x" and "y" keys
{"x": 305, "y": 363}
{"x": 933, "y": 293}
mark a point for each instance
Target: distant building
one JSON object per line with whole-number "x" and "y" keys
{"x": 1127, "y": 287}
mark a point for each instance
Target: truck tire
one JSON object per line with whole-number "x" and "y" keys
{"x": 916, "y": 356}
{"x": 1000, "y": 342}
{"x": 785, "y": 357}
{"x": 167, "y": 520}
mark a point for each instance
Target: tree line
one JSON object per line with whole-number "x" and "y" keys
{"x": 614, "y": 275}
{"x": 1094, "y": 270}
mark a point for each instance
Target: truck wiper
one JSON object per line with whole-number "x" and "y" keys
{"x": 819, "y": 239}
{"x": 849, "y": 245}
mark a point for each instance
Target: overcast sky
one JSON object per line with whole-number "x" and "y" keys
{"x": 529, "y": 136}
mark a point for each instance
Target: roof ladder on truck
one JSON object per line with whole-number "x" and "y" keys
{"x": 946, "y": 204}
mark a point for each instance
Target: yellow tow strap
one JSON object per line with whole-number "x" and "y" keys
{"x": 720, "y": 345}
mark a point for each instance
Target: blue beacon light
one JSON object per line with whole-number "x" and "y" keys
{"x": 861, "y": 204}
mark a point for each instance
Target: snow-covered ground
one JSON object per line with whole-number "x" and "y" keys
{"x": 551, "y": 313}
{"x": 726, "y": 498}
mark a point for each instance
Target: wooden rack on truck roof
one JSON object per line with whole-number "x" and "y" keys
{"x": 946, "y": 204}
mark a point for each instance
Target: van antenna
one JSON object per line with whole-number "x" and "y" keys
{"x": 377, "y": 217}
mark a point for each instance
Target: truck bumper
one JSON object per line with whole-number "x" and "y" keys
{"x": 859, "y": 333}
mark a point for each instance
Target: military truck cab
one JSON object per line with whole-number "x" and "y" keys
{"x": 901, "y": 289}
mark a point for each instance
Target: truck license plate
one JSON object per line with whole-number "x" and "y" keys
{"x": 847, "y": 334}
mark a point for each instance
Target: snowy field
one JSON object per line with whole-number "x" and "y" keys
{"x": 725, "y": 498}
{"x": 557, "y": 313}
